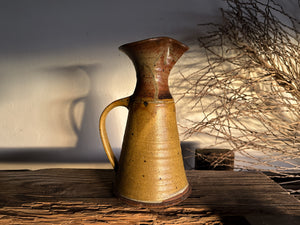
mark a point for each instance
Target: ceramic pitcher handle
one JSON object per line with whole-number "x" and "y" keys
{"x": 103, "y": 134}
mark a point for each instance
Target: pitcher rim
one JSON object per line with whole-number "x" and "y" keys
{"x": 170, "y": 40}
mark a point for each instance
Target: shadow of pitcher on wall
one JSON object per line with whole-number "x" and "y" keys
{"x": 150, "y": 171}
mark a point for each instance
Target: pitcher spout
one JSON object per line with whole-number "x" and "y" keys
{"x": 153, "y": 60}
{"x": 170, "y": 48}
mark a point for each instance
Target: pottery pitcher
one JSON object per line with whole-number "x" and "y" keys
{"x": 150, "y": 171}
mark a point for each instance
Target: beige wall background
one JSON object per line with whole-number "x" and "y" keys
{"x": 60, "y": 66}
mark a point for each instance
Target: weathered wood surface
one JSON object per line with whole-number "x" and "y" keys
{"x": 82, "y": 196}
{"x": 291, "y": 182}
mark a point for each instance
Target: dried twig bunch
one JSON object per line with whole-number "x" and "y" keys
{"x": 246, "y": 94}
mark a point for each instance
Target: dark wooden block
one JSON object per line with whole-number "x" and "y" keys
{"x": 214, "y": 159}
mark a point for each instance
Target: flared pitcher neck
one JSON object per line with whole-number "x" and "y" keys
{"x": 153, "y": 60}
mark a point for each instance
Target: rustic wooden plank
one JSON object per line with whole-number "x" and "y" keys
{"x": 83, "y": 213}
{"x": 52, "y": 183}
{"x": 84, "y": 196}
{"x": 290, "y": 182}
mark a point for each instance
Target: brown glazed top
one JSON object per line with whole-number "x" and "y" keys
{"x": 153, "y": 60}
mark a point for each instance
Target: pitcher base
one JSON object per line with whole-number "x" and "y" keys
{"x": 168, "y": 202}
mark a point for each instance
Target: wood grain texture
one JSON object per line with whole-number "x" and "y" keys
{"x": 290, "y": 182}
{"x": 83, "y": 196}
